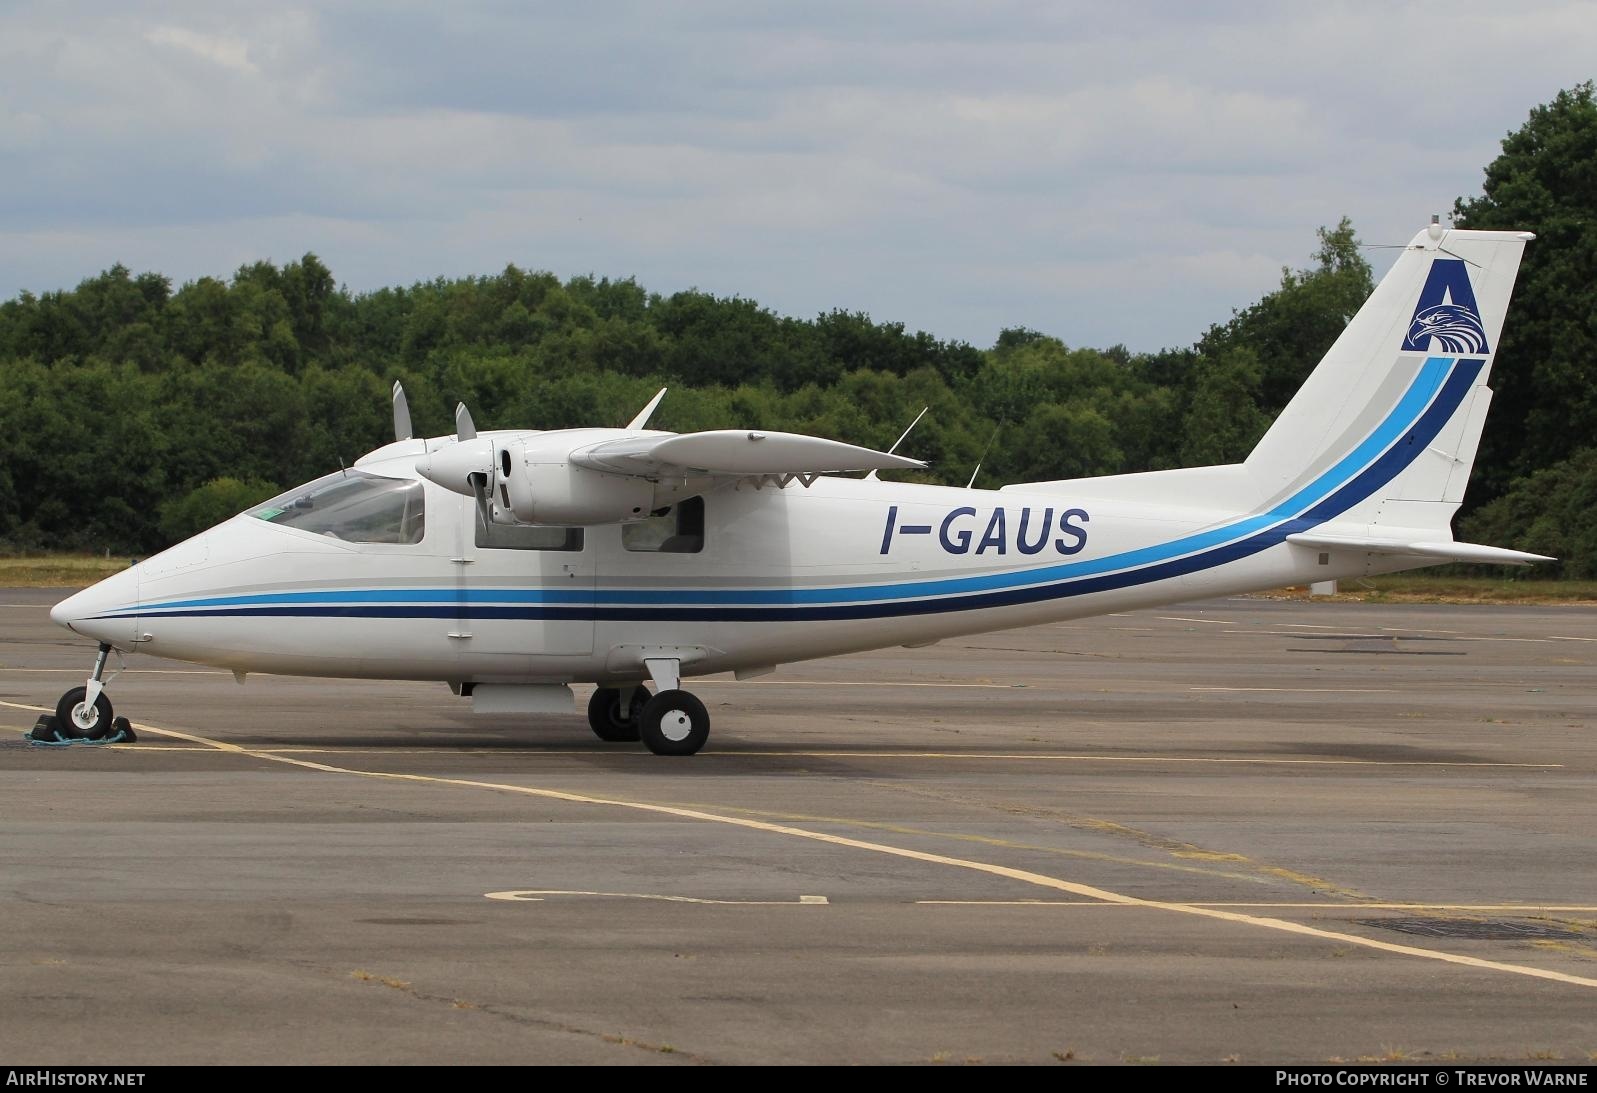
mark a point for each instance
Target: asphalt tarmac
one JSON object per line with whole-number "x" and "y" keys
{"x": 1242, "y": 830}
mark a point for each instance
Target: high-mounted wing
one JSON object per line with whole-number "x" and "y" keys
{"x": 735, "y": 452}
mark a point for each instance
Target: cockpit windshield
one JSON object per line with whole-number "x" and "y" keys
{"x": 354, "y": 506}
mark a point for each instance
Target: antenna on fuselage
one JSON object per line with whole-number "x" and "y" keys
{"x": 872, "y": 476}
{"x": 972, "y": 483}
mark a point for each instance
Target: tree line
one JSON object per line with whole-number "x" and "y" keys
{"x": 135, "y": 413}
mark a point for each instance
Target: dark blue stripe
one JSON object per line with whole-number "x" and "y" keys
{"x": 1372, "y": 478}
{"x": 1427, "y": 382}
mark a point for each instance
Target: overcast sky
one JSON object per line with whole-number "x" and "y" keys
{"x": 1106, "y": 173}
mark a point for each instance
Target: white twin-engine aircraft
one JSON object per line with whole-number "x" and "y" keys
{"x": 512, "y": 564}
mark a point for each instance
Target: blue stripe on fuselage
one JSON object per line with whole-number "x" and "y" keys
{"x": 1429, "y": 402}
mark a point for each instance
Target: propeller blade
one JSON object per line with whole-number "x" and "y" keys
{"x": 402, "y": 429}
{"x": 479, "y": 492}
{"x": 465, "y": 428}
{"x": 644, "y": 414}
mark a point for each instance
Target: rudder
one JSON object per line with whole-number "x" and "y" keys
{"x": 1389, "y": 421}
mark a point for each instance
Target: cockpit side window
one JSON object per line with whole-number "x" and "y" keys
{"x": 677, "y": 530}
{"x": 353, "y": 506}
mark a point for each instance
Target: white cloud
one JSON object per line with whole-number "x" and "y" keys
{"x": 226, "y": 51}
{"x": 1108, "y": 176}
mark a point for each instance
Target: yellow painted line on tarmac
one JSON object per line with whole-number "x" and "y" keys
{"x": 1026, "y": 756}
{"x": 1527, "y": 908}
{"x": 853, "y": 683}
{"x": 1022, "y": 876}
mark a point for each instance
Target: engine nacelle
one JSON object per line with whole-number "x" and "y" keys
{"x": 538, "y": 491}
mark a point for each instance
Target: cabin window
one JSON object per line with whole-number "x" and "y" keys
{"x": 677, "y": 530}
{"x": 353, "y": 506}
{"x": 526, "y": 536}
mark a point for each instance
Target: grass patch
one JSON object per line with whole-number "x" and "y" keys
{"x": 57, "y": 570}
{"x": 1441, "y": 588}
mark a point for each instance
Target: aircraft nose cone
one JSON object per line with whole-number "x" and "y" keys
{"x": 68, "y": 610}
{"x": 102, "y": 611}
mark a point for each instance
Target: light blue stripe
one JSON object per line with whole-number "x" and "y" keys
{"x": 1427, "y": 382}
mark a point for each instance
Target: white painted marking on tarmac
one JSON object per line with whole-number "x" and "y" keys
{"x": 1211, "y": 622}
{"x": 538, "y": 895}
{"x": 1023, "y": 876}
{"x": 1307, "y": 690}
{"x": 1566, "y": 637}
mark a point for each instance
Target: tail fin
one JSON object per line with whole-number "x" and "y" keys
{"x": 1384, "y": 431}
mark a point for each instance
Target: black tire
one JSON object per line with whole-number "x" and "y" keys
{"x": 674, "y": 723}
{"x": 70, "y": 726}
{"x": 608, "y": 721}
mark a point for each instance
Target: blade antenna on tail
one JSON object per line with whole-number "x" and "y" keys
{"x": 402, "y": 429}
{"x": 984, "y": 452}
{"x": 901, "y": 436}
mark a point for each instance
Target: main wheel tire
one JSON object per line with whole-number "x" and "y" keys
{"x": 607, "y": 719}
{"x": 674, "y": 723}
{"x": 79, "y": 720}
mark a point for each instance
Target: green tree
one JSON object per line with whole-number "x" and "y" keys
{"x": 208, "y": 505}
{"x": 1552, "y": 511}
{"x": 1545, "y": 375}
{"x": 1290, "y": 329}
{"x": 1223, "y": 420}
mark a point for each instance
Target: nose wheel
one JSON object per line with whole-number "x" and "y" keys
{"x": 79, "y": 716}
{"x": 84, "y": 713}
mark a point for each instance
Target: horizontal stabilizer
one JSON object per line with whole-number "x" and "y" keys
{"x": 1450, "y": 552}
{"x": 734, "y": 452}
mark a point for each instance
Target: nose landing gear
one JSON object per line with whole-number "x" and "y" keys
{"x": 84, "y": 713}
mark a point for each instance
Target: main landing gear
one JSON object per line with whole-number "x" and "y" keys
{"x": 84, "y": 713}
{"x": 671, "y": 722}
